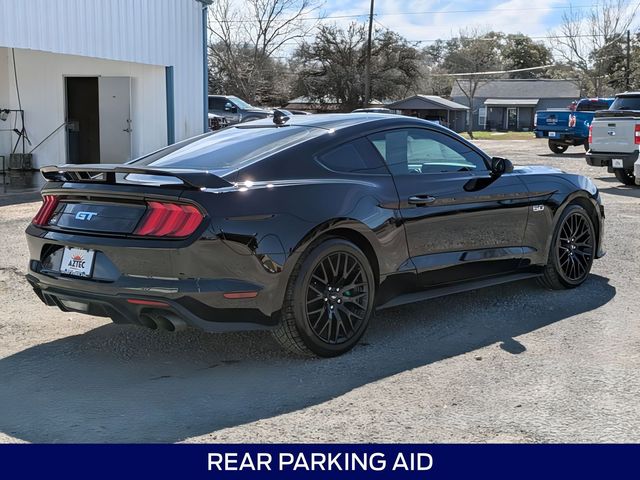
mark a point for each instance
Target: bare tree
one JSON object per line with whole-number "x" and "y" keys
{"x": 472, "y": 52}
{"x": 245, "y": 39}
{"x": 585, "y": 36}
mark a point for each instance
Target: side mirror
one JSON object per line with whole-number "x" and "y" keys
{"x": 500, "y": 166}
{"x": 229, "y": 107}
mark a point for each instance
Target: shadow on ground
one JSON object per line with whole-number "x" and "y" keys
{"x": 577, "y": 155}
{"x": 633, "y": 192}
{"x": 128, "y": 384}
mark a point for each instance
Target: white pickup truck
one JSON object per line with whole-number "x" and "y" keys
{"x": 614, "y": 137}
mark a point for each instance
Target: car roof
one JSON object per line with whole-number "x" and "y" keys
{"x": 340, "y": 121}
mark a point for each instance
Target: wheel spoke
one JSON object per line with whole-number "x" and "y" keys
{"x": 339, "y": 282}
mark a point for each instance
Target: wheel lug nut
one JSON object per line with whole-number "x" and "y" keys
{"x": 339, "y": 301}
{"x": 331, "y": 307}
{"x": 337, "y": 289}
{"x": 326, "y": 299}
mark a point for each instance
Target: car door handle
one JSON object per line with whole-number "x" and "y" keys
{"x": 421, "y": 200}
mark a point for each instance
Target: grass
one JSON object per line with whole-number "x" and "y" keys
{"x": 501, "y": 135}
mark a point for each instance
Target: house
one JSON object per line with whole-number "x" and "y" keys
{"x": 100, "y": 80}
{"x": 511, "y": 104}
{"x": 434, "y": 108}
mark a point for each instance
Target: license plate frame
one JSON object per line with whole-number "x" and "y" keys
{"x": 617, "y": 163}
{"x": 77, "y": 262}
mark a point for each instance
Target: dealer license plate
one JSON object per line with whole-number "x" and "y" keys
{"x": 77, "y": 262}
{"x": 552, "y": 134}
{"x": 617, "y": 163}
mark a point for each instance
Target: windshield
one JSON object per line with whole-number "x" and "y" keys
{"x": 240, "y": 103}
{"x": 228, "y": 149}
{"x": 626, "y": 103}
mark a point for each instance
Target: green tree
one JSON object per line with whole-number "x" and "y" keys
{"x": 520, "y": 51}
{"x": 331, "y": 68}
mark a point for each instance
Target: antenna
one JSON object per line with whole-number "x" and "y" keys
{"x": 280, "y": 117}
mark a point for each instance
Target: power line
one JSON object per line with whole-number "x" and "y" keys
{"x": 427, "y": 12}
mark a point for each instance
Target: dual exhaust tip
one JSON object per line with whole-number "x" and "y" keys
{"x": 162, "y": 321}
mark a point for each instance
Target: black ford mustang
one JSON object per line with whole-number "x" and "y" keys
{"x": 304, "y": 227}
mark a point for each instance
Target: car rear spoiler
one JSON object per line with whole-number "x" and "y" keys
{"x": 107, "y": 173}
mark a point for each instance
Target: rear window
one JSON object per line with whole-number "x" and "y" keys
{"x": 626, "y": 103}
{"x": 228, "y": 149}
{"x": 354, "y": 157}
{"x": 591, "y": 105}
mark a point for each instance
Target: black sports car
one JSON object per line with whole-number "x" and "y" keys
{"x": 304, "y": 227}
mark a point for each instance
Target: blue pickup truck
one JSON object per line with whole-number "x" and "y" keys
{"x": 570, "y": 126}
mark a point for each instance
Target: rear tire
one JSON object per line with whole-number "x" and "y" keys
{"x": 586, "y": 146}
{"x": 625, "y": 177}
{"x": 573, "y": 247}
{"x": 557, "y": 147}
{"x": 328, "y": 302}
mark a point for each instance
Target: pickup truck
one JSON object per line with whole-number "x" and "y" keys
{"x": 615, "y": 137}
{"x": 570, "y": 126}
{"x": 235, "y": 110}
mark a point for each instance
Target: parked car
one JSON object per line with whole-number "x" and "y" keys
{"x": 216, "y": 122}
{"x": 299, "y": 112}
{"x": 615, "y": 137}
{"x": 304, "y": 227}
{"x": 373, "y": 110}
{"x": 236, "y": 110}
{"x": 570, "y": 126}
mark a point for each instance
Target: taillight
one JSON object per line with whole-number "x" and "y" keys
{"x": 590, "y": 134}
{"x": 49, "y": 204}
{"x": 169, "y": 220}
{"x": 636, "y": 134}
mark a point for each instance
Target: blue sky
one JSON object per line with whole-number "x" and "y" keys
{"x": 446, "y": 18}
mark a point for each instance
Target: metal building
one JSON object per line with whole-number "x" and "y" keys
{"x": 100, "y": 80}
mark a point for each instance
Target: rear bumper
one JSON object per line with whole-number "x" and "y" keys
{"x": 597, "y": 159}
{"x": 186, "y": 283}
{"x": 566, "y": 138}
{"x": 133, "y": 305}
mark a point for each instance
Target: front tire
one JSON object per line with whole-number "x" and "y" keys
{"x": 328, "y": 302}
{"x": 573, "y": 247}
{"x": 625, "y": 177}
{"x": 557, "y": 147}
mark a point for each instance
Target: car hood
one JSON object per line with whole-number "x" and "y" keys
{"x": 536, "y": 170}
{"x": 259, "y": 110}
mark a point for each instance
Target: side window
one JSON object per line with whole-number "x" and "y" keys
{"x": 216, "y": 103}
{"x": 354, "y": 157}
{"x": 420, "y": 151}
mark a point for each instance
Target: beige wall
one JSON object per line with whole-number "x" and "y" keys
{"x": 41, "y": 76}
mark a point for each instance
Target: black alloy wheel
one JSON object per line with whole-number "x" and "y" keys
{"x": 572, "y": 251}
{"x": 626, "y": 177}
{"x": 337, "y": 298}
{"x": 575, "y": 247}
{"x": 557, "y": 147}
{"x": 329, "y": 300}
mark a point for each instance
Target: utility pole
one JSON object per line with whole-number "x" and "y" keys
{"x": 367, "y": 66}
{"x": 627, "y": 70}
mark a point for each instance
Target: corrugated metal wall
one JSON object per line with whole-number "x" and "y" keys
{"x": 157, "y": 32}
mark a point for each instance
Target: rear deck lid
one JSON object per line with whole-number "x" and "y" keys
{"x": 613, "y": 135}
{"x": 99, "y": 217}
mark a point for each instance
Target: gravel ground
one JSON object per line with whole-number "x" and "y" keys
{"x": 514, "y": 363}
